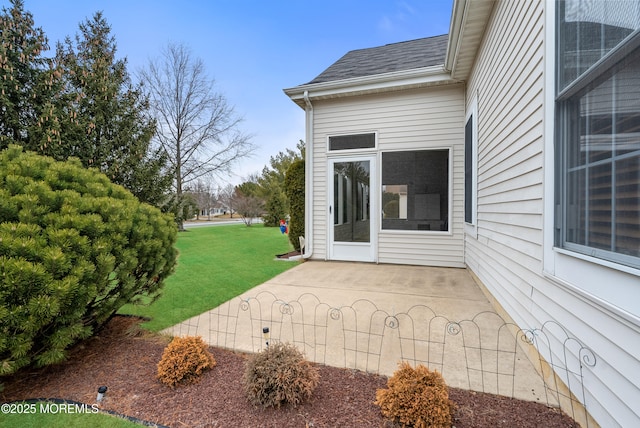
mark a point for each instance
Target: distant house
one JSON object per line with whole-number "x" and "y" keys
{"x": 511, "y": 147}
{"x": 216, "y": 210}
{"x": 219, "y": 208}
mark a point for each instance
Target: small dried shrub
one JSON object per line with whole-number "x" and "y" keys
{"x": 416, "y": 398}
{"x": 279, "y": 374}
{"x": 184, "y": 360}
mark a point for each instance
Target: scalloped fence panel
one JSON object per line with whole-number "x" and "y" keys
{"x": 483, "y": 353}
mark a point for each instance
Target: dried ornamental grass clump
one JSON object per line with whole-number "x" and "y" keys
{"x": 184, "y": 360}
{"x": 416, "y": 398}
{"x": 278, "y": 375}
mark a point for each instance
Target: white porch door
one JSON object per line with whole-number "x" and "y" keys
{"x": 351, "y": 203}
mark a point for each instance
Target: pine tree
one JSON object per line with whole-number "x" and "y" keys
{"x": 271, "y": 184}
{"x": 29, "y": 83}
{"x": 80, "y": 103}
{"x": 108, "y": 125}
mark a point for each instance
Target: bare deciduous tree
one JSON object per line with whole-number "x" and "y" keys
{"x": 197, "y": 127}
{"x": 226, "y": 196}
{"x": 249, "y": 207}
{"x": 201, "y": 193}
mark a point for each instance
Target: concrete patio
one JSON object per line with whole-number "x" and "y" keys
{"x": 370, "y": 317}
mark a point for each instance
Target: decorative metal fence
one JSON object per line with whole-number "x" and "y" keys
{"x": 484, "y": 353}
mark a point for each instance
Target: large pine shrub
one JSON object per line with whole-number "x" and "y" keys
{"x": 74, "y": 248}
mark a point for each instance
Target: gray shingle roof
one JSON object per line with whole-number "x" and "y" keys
{"x": 417, "y": 53}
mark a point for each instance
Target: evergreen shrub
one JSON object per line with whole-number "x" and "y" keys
{"x": 416, "y": 397}
{"x": 294, "y": 189}
{"x": 274, "y": 209}
{"x": 184, "y": 360}
{"x": 280, "y": 374}
{"x": 74, "y": 248}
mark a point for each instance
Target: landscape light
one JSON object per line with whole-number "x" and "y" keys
{"x": 101, "y": 391}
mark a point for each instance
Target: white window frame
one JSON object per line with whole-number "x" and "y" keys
{"x": 449, "y": 231}
{"x": 348, "y": 152}
{"x": 601, "y": 283}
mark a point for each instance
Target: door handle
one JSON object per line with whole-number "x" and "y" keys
{"x": 329, "y": 209}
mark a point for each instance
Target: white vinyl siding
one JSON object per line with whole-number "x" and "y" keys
{"x": 508, "y": 83}
{"x": 320, "y": 193}
{"x": 430, "y": 118}
{"x": 508, "y": 78}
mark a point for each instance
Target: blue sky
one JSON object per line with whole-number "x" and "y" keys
{"x": 253, "y": 49}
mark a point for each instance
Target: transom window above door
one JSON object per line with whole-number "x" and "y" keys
{"x": 352, "y": 142}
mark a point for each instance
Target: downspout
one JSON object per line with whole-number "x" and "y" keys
{"x": 308, "y": 179}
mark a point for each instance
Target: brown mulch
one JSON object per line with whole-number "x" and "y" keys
{"x": 124, "y": 358}
{"x": 289, "y": 255}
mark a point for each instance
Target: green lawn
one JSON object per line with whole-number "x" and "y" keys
{"x": 43, "y": 414}
{"x": 216, "y": 263}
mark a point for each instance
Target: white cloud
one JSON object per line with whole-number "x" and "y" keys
{"x": 386, "y": 24}
{"x": 407, "y": 7}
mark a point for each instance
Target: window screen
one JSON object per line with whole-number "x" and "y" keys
{"x": 415, "y": 190}
{"x": 468, "y": 171}
{"x": 352, "y": 142}
{"x": 598, "y": 130}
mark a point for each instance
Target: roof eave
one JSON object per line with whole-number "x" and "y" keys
{"x": 468, "y": 22}
{"x": 455, "y": 30}
{"x": 386, "y": 82}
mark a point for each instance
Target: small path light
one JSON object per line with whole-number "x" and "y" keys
{"x": 101, "y": 391}
{"x": 265, "y": 334}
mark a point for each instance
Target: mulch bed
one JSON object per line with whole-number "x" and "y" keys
{"x": 289, "y": 255}
{"x": 123, "y": 357}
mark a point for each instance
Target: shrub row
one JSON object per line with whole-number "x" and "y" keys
{"x": 278, "y": 375}
{"x": 415, "y": 397}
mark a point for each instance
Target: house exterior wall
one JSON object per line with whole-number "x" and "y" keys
{"x": 406, "y": 120}
{"x": 510, "y": 248}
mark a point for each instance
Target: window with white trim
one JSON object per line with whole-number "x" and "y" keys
{"x": 415, "y": 190}
{"x": 598, "y": 129}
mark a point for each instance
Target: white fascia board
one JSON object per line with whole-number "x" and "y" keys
{"x": 468, "y": 22}
{"x": 455, "y": 33}
{"x": 385, "y": 82}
